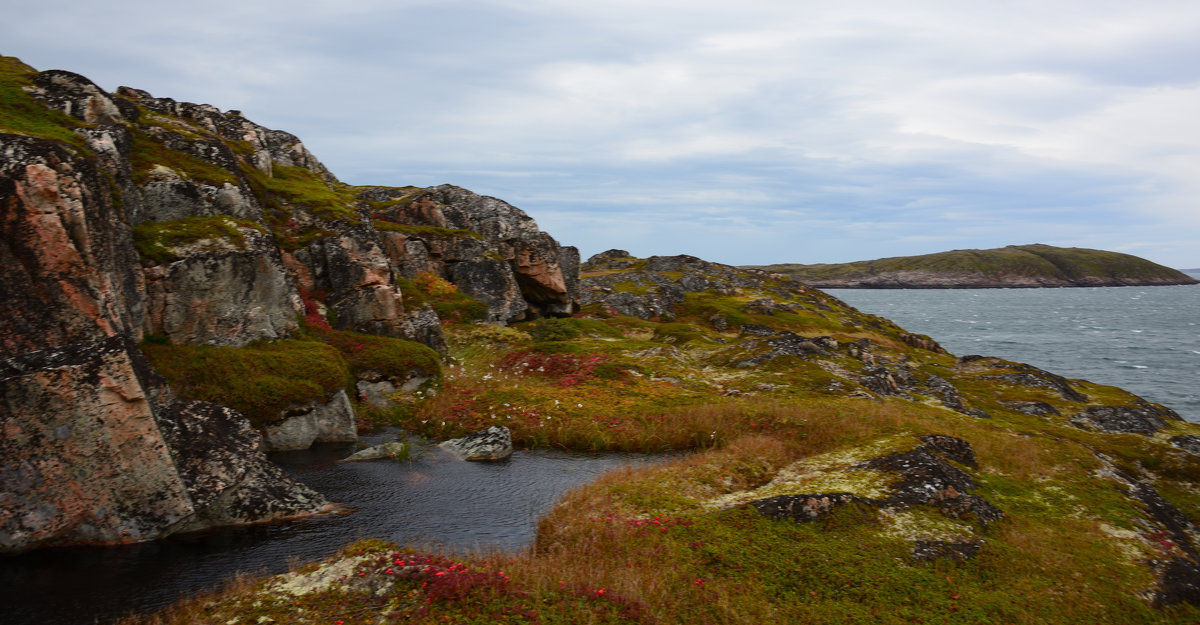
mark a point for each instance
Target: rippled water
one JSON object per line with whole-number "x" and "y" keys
{"x": 436, "y": 500}
{"x": 1143, "y": 339}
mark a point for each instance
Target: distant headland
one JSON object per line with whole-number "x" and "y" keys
{"x": 1014, "y": 266}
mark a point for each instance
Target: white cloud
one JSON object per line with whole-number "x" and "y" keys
{"x": 910, "y": 126}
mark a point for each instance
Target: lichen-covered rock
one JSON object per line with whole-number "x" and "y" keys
{"x": 223, "y": 293}
{"x": 68, "y": 268}
{"x": 318, "y": 422}
{"x": 220, "y": 458}
{"x": 98, "y": 451}
{"x": 919, "y": 476}
{"x": 394, "y": 449}
{"x": 494, "y": 443}
{"x": 1140, "y": 418}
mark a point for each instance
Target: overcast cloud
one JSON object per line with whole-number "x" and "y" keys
{"x": 742, "y": 132}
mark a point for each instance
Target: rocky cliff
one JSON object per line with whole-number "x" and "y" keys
{"x": 1015, "y": 266}
{"x": 135, "y": 227}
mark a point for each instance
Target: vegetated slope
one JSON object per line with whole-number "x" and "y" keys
{"x": 844, "y": 471}
{"x": 1014, "y": 266}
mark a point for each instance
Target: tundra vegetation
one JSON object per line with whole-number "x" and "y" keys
{"x": 682, "y": 542}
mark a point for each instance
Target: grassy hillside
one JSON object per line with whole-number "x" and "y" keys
{"x": 840, "y": 470}
{"x": 1015, "y": 265}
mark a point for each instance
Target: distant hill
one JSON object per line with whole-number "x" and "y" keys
{"x": 1015, "y": 266}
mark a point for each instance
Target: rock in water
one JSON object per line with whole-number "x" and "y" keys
{"x": 394, "y": 449}
{"x": 494, "y": 443}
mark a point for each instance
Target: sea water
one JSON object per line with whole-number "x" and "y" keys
{"x": 1145, "y": 340}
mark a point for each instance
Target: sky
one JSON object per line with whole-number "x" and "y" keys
{"x": 748, "y": 132}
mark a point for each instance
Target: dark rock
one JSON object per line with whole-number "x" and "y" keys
{"x": 1140, "y": 418}
{"x": 220, "y": 458}
{"x": 1033, "y": 408}
{"x": 955, "y": 449}
{"x": 951, "y": 398}
{"x": 784, "y": 343}
{"x": 1189, "y": 443}
{"x": 924, "y": 478}
{"x": 1030, "y": 376}
{"x": 1178, "y": 582}
{"x": 922, "y": 342}
{"x": 933, "y": 549}
{"x": 927, "y": 479}
{"x": 804, "y": 508}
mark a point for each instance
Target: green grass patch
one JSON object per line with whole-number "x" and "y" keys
{"x": 21, "y": 114}
{"x": 300, "y": 187}
{"x": 156, "y": 240}
{"x": 432, "y": 231}
{"x": 259, "y": 380}
{"x": 149, "y": 153}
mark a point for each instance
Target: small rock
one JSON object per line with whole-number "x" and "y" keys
{"x": 396, "y": 450}
{"x": 494, "y": 443}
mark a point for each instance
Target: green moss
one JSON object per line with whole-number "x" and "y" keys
{"x": 433, "y": 231}
{"x": 149, "y": 153}
{"x": 387, "y": 356}
{"x": 301, "y": 187}
{"x": 156, "y": 240}
{"x": 259, "y": 380}
{"x": 21, "y": 114}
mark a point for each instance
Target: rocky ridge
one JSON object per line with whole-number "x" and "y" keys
{"x": 1015, "y": 266}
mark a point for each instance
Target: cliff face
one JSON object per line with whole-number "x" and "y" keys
{"x": 125, "y": 216}
{"x": 1015, "y": 266}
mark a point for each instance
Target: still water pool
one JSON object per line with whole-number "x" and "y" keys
{"x": 435, "y": 500}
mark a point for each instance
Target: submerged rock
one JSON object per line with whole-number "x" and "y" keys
{"x": 494, "y": 443}
{"x": 395, "y": 449}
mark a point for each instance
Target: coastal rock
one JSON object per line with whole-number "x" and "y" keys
{"x": 494, "y": 443}
{"x": 1140, "y": 418}
{"x": 220, "y": 459}
{"x": 920, "y": 476}
{"x": 1189, "y": 443}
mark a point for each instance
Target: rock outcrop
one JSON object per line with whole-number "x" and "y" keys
{"x": 126, "y": 216}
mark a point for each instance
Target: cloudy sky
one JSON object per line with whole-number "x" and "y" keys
{"x": 747, "y": 132}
